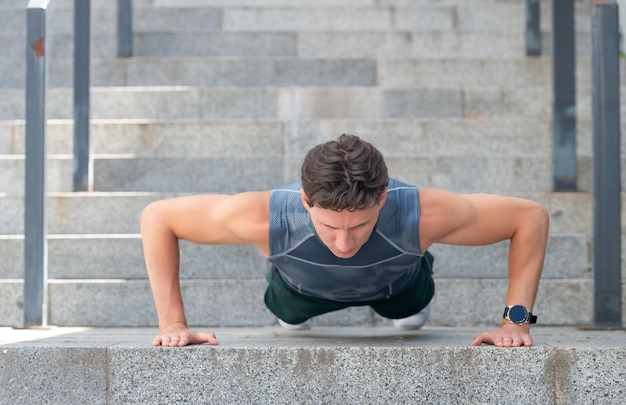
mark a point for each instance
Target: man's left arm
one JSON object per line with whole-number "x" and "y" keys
{"x": 479, "y": 219}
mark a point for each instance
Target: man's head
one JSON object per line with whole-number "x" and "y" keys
{"x": 346, "y": 174}
{"x": 344, "y": 185}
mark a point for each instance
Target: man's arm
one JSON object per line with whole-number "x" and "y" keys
{"x": 203, "y": 219}
{"x": 479, "y": 219}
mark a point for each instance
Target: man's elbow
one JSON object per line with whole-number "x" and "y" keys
{"x": 539, "y": 216}
{"x": 152, "y": 216}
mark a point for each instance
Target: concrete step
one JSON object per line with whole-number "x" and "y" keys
{"x": 305, "y": 44}
{"x": 230, "y": 138}
{"x": 81, "y": 213}
{"x": 104, "y": 19}
{"x": 192, "y": 103}
{"x": 239, "y": 302}
{"x": 118, "y": 213}
{"x": 499, "y": 174}
{"x": 235, "y": 16}
{"x": 121, "y": 257}
{"x": 205, "y": 72}
{"x": 310, "y": 72}
{"x": 324, "y": 365}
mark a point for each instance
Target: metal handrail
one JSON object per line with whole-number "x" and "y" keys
{"x": 82, "y": 60}
{"x": 533, "y": 28}
{"x": 35, "y": 244}
{"x": 124, "y": 28}
{"x": 607, "y": 187}
{"x": 82, "y": 73}
{"x": 565, "y": 172}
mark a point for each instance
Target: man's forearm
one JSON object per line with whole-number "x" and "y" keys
{"x": 161, "y": 252}
{"x": 526, "y": 257}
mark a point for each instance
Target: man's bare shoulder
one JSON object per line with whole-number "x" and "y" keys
{"x": 245, "y": 217}
{"x": 214, "y": 218}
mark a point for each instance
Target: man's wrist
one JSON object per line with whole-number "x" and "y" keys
{"x": 173, "y": 324}
{"x": 525, "y": 327}
{"x": 519, "y": 314}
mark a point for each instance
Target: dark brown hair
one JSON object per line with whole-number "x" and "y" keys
{"x": 346, "y": 174}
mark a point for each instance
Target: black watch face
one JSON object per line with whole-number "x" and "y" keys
{"x": 517, "y": 314}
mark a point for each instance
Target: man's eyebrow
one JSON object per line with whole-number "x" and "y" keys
{"x": 352, "y": 227}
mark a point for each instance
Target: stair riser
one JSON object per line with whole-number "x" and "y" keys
{"x": 240, "y": 303}
{"x": 498, "y": 175}
{"x": 303, "y": 104}
{"x": 111, "y": 257}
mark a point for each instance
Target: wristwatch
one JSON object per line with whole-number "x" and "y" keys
{"x": 518, "y": 314}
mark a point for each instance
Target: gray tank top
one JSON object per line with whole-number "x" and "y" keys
{"x": 383, "y": 267}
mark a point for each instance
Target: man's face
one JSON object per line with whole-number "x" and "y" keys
{"x": 344, "y": 232}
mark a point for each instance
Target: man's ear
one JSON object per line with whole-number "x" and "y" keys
{"x": 305, "y": 200}
{"x": 383, "y": 198}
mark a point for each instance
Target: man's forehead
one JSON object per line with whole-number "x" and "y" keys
{"x": 345, "y": 217}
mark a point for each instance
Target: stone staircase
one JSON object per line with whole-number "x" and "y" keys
{"x": 228, "y": 95}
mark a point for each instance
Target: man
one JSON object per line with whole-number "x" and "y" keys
{"x": 346, "y": 235}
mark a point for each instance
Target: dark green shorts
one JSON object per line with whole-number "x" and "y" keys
{"x": 293, "y": 307}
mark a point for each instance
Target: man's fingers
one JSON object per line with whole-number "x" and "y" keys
{"x": 502, "y": 340}
{"x": 207, "y": 338}
{"x": 481, "y": 338}
{"x": 184, "y": 339}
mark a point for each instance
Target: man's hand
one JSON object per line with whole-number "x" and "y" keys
{"x": 179, "y": 335}
{"x": 509, "y": 335}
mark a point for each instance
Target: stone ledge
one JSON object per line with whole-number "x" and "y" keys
{"x": 323, "y": 365}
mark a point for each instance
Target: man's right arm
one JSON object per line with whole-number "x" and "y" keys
{"x": 203, "y": 219}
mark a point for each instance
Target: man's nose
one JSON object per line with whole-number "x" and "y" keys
{"x": 343, "y": 241}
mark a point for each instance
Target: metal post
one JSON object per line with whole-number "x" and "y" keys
{"x": 124, "y": 28}
{"x": 35, "y": 246}
{"x": 533, "y": 28}
{"x": 606, "y": 167}
{"x": 564, "y": 96}
{"x": 82, "y": 41}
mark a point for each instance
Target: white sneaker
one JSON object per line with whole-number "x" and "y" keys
{"x": 306, "y": 325}
{"x": 413, "y": 322}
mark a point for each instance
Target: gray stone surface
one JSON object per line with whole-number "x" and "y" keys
{"x": 441, "y": 44}
{"x": 53, "y": 375}
{"x": 130, "y": 303}
{"x": 224, "y": 175}
{"x": 81, "y": 213}
{"x": 96, "y": 213}
{"x": 172, "y": 44}
{"x": 252, "y": 72}
{"x": 230, "y": 174}
{"x": 323, "y": 365}
{"x": 290, "y": 71}
{"x": 566, "y": 257}
{"x": 239, "y": 302}
{"x": 393, "y": 137}
{"x": 302, "y": 103}
{"x": 120, "y": 256}
{"x": 434, "y": 18}
{"x": 12, "y": 308}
